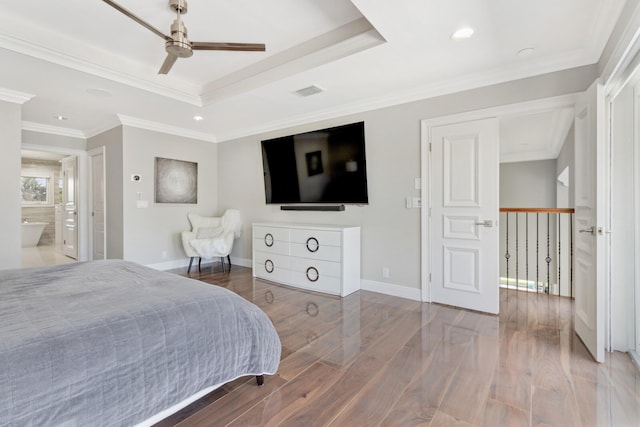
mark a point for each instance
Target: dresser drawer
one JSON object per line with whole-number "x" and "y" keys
{"x": 316, "y": 237}
{"x": 272, "y": 267}
{"x": 313, "y": 251}
{"x": 277, "y": 233}
{"x": 323, "y": 268}
{"x": 326, "y": 284}
{"x": 266, "y": 244}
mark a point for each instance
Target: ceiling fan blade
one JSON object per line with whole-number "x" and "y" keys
{"x": 167, "y": 64}
{"x": 135, "y": 18}
{"x": 254, "y": 47}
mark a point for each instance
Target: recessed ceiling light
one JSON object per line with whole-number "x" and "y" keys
{"x": 60, "y": 117}
{"x": 525, "y": 52}
{"x": 462, "y": 33}
{"x": 198, "y": 118}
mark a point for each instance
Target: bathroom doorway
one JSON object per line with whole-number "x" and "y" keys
{"x": 42, "y": 209}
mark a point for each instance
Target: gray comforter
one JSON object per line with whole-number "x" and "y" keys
{"x": 113, "y": 343}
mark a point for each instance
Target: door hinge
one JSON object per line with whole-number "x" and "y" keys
{"x": 429, "y": 277}
{"x": 430, "y": 147}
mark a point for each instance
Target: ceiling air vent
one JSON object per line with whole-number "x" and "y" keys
{"x": 311, "y": 90}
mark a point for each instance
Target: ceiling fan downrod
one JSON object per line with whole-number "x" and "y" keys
{"x": 179, "y": 46}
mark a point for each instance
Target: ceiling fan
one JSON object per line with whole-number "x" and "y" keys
{"x": 177, "y": 44}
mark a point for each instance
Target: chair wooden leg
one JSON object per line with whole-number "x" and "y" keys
{"x": 222, "y": 263}
{"x": 229, "y": 259}
{"x": 199, "y": 264}
{"x": 190, "y": 262}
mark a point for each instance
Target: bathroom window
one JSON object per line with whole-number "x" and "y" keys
{"x": 36, "y": 190}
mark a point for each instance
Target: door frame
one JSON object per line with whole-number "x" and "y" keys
{"x": 90, "y": 154}
{"x": 530, "y": 107}
{"x": 83, "y": 195}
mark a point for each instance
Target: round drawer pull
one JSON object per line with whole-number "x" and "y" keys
{"x": 312, "y": 274}
{"x": 268, "y": 239}
{"x": 312, "y": 244}
{"x": 268, "y": 266}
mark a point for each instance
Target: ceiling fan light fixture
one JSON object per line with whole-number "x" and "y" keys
{"x": 60, "y": 118}
{"x": 462, "y": 33}
{"x": 198, "y": 118}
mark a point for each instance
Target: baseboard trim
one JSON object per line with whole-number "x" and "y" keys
{"x": 391, "y": 289}
{"x": 179, "y": 263}
{"x": 169, "y": 265}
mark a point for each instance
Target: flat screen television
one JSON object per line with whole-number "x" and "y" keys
{"x": 318, "y": 167}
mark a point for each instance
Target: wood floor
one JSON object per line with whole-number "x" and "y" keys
{"x": 375, "y": 360}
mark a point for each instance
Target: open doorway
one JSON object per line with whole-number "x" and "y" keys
{"x": 527, "y": 116}
{"x": 42, "y": 219}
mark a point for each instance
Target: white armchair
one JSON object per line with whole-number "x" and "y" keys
{"x": 211, "y": 237}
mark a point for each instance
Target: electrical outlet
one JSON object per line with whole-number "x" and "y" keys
{"x": 417, "y": 202}
{"x": 385, "y": 272}
{"x": 407, "y": 202}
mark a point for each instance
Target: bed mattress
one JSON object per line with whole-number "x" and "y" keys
{"x": 112, "y": 343}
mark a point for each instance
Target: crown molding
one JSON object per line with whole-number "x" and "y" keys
{"x": 528, "y": 156}
{"x": 53, "y": 130}
{"x": 60, "y": 58}
{"x": 107, "y": 125}
{"x": 163, "y": 128}
{"x": 14, "y": 96}
{"x": 420, "y": 94}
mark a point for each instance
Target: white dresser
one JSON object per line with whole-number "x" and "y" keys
{"x": 322, "y": 258}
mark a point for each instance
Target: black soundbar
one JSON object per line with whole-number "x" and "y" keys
{"x": 325, "y": 208}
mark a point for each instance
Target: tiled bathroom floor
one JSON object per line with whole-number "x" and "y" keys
{"x": 39, "y": 256}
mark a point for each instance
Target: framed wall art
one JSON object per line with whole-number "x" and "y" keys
{"x": 176, "y": 181}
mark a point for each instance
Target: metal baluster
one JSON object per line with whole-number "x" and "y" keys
{"x": 506, "y": 254}
{"x": 526, "y": 247}
{"x": 548, "y": 258}
{"x": 559, "y": 261}
{"x": 537, "y": 250}
{"x": 517, "y": 249}
{"x": 571, "y": 254}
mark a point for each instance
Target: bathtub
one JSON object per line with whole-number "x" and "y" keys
{"x": 31, "y": 233}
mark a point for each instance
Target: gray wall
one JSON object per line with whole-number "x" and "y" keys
{"x": 390, "y": 232}
{"x": 528, "y": 184}
{"x": 148, "y": 232}
{"x": 10, "y": 124}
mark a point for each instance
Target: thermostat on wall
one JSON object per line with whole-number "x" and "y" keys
{"x": 136, "y": 177}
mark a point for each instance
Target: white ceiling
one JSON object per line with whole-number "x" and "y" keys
{"x": 84, "y": 60}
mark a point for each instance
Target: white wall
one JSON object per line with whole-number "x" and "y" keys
{"x": 390, "y": 232}
{"x": 10, "y": 164}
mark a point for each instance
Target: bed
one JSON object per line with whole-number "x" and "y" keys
{"x": 114, "y": 343}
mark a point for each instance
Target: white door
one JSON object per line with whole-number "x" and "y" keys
{"x": 69, "y": 207}
{"x": 98, "y": 206}
{"x": 589, "y": 222}
{"x": 464, "y": 214}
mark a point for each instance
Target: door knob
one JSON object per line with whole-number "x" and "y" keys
{"x": 591, "y": 230}
{"x": 485, "y": 223}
